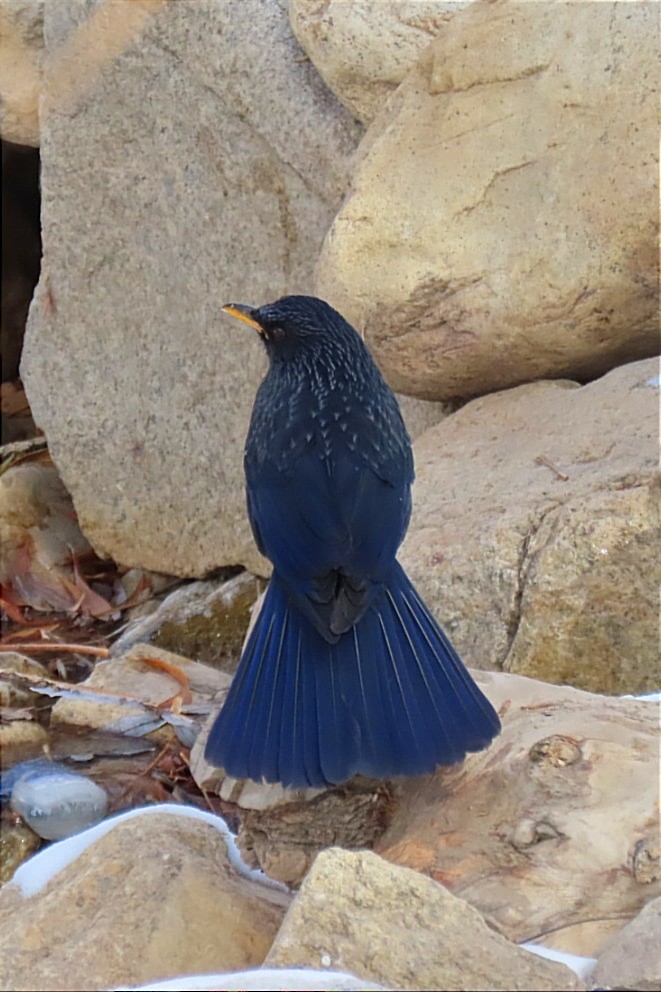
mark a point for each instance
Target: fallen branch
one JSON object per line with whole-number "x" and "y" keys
{"x": 58, "y": 646}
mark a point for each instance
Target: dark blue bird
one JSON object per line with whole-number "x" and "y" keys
{"x": 345, "y": 671}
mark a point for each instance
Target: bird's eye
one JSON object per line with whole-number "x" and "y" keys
{"x": 276, "y": 333}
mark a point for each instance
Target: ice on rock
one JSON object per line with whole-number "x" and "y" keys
{"x": 56, "y": 802}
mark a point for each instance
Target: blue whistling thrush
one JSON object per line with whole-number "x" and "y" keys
{"x": 345, "y": 671}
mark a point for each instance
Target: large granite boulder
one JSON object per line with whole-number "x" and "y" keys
{"x": 364, "y": 50}
{"x": 535, "y": 531}
{"x": 188, "y": 159}
{"x": 502, "y": 222}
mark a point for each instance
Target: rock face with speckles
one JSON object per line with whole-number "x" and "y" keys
{"x": 502, "y": 221}
{"x": 187, "y": 160}
{"x": 535, "y": 530}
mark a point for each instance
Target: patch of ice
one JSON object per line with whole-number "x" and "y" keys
{"x": 583, "y": 967}
{"x": 56, "y": 802}
{"x": 649, "y": 697}
{"x": 35, "y": 873}
{"x": 260, "y": 980}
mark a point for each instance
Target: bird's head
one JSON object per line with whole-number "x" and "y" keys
{"x": 293, "y": 324}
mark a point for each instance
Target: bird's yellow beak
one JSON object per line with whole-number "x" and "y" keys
{"x": 244, "y": 313}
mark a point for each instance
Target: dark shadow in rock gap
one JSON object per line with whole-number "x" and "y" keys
{"x": 21, "y": 259}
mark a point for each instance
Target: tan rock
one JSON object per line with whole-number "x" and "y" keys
{"x": 555, "y": 826}
{"x": 358, "y": 913}
{"x": 144, "y": 675}
{"x": 364, "y": 50}
{"x": 11, "y": 694}
{"x": 502, "y": 222}
{"x": 208, "y": 183}
{"x": 156, "y": 897}
{"x": 22, "y": 44}
{"x": 21, "y": 740}
{"x": 632, "y": 960}
{"x": 535, "y": 530}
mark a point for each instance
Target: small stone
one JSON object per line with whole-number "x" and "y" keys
{"x": 57, "y": 803}
{"x": 21, "y": 739}
{"x": 10, "y": 694}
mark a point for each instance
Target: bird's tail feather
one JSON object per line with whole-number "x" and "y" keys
{"x": 391, "y": 697}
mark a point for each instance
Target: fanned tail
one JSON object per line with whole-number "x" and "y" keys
{"x": 391, "y": 697}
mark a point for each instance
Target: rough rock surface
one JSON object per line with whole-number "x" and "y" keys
{"x": 22, "y": 43}
{"x": 535, "y": 530}
{"x": 201, "y": 164}
{"x": 502, "y": 223}
{"x": 358, "y": 913}
{"x": 632, "y": 960}
{"x": 554, "y": 826}
{"x": 154, "y": 898}
{"x": 364, "y": 50}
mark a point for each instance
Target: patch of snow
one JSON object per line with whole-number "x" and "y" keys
{"x": 650, "y": 697}
{"x": 34, "y": 874}
{"x": 260, "y": 980}
{"x": 583, "y": 967}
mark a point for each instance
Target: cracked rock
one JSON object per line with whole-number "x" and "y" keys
{"x": 502, "y": 223}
